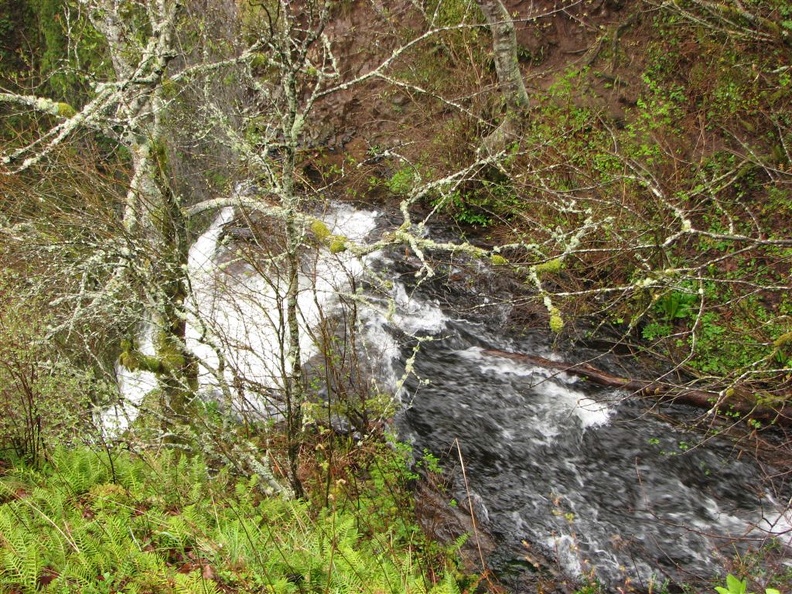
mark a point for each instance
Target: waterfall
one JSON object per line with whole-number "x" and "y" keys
{"x": 236, "y": 313}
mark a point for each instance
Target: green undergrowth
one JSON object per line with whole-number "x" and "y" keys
{"x": 96, "y": 522}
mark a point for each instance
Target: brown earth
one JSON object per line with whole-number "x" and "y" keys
{"x": 552, "y": 36}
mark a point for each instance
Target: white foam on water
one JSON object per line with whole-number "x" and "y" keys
{"x": 550, "y": 383}
{"x": 133, "y": 387}
{"x": 567, "y": 552}
{"x": 381, "y": 347}
{"x": 501, "y": 365}
{"x": 414, "y": 316}
{"x": 246, "y": 312}
{"x": 589, "y": 412}
{"x": 201, "y": 257}
{"x": 353, "y": 224}
{"x": 405, "y": 313}
{"x": 592, "y": 413}
{"x": 240, "y": 316}
{"x": 776, "y": 521}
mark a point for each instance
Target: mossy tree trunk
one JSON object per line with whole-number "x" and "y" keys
{"x": 510, "y": 80}
{"x": 504, "y": 47}
{"x": 292, "y": 58}
{"x": 148, "y": 257}
{"x": 153, "y": 219}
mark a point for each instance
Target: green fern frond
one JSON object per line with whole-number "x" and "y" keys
{"x": 79, "y": 469}
{"x": 29, "y": 568}
{"x": 13, "y": 539}
{"x": 194, "y": 583}
{"x": 448, "y": 586}
{"x": 77, "y": 571}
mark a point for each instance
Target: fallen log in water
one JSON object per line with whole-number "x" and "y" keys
{"x": 742, "y": 404}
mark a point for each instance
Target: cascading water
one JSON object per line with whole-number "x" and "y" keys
{"x": 236, "y": 324}
{"x": 585, "y": 476}
{"x": 241, "y": 306}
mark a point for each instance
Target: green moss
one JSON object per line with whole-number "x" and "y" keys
{"x": 169, "y": 353}
{"x": 550, "y": 267}
{"x": 783, "y": 340}
{"x": 169, "y": 356}
{"x": 498, "y": 260}
{"x": 134, "y": 360}
{"x": 169, "y": 87}
{"x": 556, "y": 321}
{"x": 320, "y": 230}
{"x": 337, "y": 244}
{"x": 66, "y": 111}
{"x": 259, "y": 60}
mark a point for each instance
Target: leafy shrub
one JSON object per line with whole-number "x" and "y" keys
{"x": 43, "y": 398}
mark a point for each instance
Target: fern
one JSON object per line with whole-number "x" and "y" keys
{"x": 163, "y": 515}
{"x": 194, "y": 583}
{"x": 23, "y": 568}
{"x": 22, "y": 558}
{"x": 447, "y": 586}
{"x": 77, "y": 571}
{"x": 79, "y": 469}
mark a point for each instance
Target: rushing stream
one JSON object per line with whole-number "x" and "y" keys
{"x": 584, "y": 476}
{"x": 563, "y": 470}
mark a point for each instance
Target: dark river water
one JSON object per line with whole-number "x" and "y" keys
{"x": 590, "y": 478}
{"x": 586, "y": 476}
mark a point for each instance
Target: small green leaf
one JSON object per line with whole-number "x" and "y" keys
{"x": 735, "y": 585}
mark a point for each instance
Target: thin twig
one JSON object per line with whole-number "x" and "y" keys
{"x": 470, "y": 506}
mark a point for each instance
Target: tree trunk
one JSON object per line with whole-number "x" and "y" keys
{"x": 507, "y": 67}
{"x": 153, "y": 218}
{"x": 295, "y": 390}
{"x": 154, "y": 221}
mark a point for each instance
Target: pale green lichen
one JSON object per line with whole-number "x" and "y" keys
{"x": 297, "y": 126}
